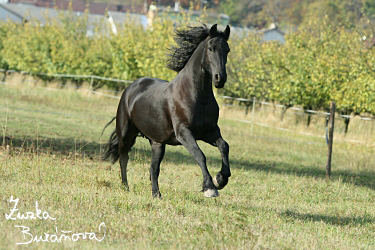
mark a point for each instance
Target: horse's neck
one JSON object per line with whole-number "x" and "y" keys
{"x": 195, "y": 74}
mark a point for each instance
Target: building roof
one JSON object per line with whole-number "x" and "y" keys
{"x": 80, "y": 6}
{"x": 9, "y": 13}
{"x": 274, "y": 29}
{"x": 42, "y": 14}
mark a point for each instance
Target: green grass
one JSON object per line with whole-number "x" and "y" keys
{"x": 277, "y": 197}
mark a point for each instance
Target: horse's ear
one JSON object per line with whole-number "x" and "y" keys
{"x": 227, "y": 32}
{"x": 213, "y": 29}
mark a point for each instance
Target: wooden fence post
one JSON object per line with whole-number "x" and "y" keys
{"x": 29, "y": 78}
{"x": 90, "y": 89}
{"x": 252, "y": 116}
{"x": 331, "y": 125}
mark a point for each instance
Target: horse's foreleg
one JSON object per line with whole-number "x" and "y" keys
{"x": 221, "y": 178}
{"x": 158, "y": 151}
{"x": 186, "y": 138}
{"x": 215, "y": 139}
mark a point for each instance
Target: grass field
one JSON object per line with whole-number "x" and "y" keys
{"x": 277, "y": 197}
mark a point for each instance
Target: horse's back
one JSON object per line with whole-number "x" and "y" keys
{"x": 145, "y": 84}
{"x": 144, "y": 88}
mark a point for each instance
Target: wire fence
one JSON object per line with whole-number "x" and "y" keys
{"x": 67, "y": 75}
{"x": 253, "y": 101}
{"x": 56, "y": 113}
{"x": 305, "y": 111}
{"x": 284, "y": 108}
{"x": 106, "y": 118}
{"x": 91, "y": 78}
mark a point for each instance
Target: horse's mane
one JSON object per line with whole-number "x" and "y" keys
{"x": 187, "y": 41}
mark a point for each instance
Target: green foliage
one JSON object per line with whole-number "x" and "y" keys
{"x": 230, "y": 7}
{"x": 28, "y": 48}
{"x": 4, "y": 29}
{"x": 61, "y": 46}
{"x": 369, "y": 9}
{"x": 320, "y": 62}
{"x": 288, "y": 13}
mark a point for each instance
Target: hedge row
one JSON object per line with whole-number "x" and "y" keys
{"x": 318, "y": 63}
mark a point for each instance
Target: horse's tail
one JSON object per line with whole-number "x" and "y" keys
{"x": 107, "y": 126}
{"x": 111, "y": 149}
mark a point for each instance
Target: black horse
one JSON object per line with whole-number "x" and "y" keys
{"x": 177, "y": 112}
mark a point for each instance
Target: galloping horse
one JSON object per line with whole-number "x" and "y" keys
{"x": 177, "y": 112}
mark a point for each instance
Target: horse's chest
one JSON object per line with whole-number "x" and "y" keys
{"x": 204, "y": 117}
{"x": 199, "y": 117}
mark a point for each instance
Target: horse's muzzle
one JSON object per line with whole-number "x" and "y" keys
{"x": 220, "y": 80}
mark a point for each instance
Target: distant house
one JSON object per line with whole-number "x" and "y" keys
{"x": 21, "y": 11}
{"x": 80, "y": 6}
{"x": 9, "y": 14}
{"x": 273, "y": 34}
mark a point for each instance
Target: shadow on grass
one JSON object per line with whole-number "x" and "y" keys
{"x": 69, "y": 145}
{"x": 53, "y": 145}
{"x": 332, "y": 220}
{"x": 363, "y": 178}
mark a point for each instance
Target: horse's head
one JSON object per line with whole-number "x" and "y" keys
{"x": 217, "y": 50}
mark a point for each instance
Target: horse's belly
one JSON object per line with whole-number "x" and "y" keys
{"x": 148, "y": 109}
{"x": 153, "y": 122}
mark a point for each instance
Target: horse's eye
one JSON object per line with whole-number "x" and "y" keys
{"x": 210, "y": 49}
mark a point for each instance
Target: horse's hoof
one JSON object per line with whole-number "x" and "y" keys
{"x": 215, "y": 183}
{"x": 156, "y": 195}
{"x": 209, "y": 193}
{"x": 219, "y": 181}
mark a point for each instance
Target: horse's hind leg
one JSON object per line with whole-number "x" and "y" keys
{"x": 158, "y": 151}
{"x": 128, "y": 135}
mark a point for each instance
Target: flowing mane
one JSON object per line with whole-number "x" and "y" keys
{"x": 187, "y": 41}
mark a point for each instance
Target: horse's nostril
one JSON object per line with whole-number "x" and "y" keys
{"x": 217, "y": 77}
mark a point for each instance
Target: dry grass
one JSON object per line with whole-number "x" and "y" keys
{"x": 277, "y": 198}
{"x": 360, "y": 131}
